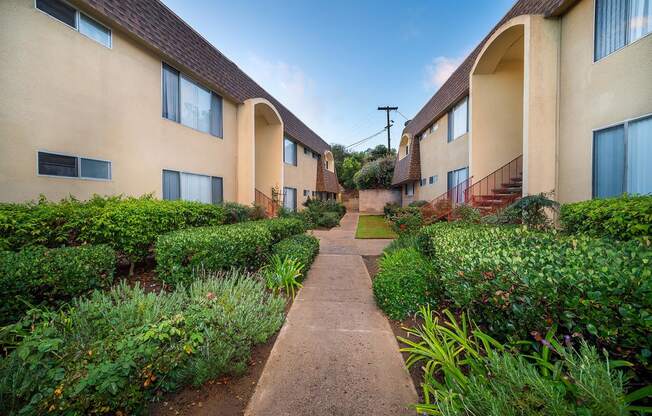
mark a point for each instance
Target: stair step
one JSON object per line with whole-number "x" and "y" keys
{"x": 516, "y": 179}
{"x": 511, "y": 185}
{"x": 511, "y": 191}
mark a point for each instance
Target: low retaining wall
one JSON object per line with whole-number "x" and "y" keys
{"x": 373, "y": 201}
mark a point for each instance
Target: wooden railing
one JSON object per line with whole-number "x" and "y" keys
{"x": 441, "y": 207}
{"x": 498, "y": 189}
{"x": 269, "y": 205}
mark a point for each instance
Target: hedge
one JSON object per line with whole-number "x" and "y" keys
{"x": 116, "y": 351}
{"x": 303, "y": 248}
{"x": 622, "y": 218}
{"x": 516, "y": 281}
{"x": 50, "y": 277}
{"x": 129, "y": 225}
{"x": 404, "y": 282}
{"x": 245, "y": 245}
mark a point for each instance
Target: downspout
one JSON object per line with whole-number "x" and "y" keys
{"x": 558, "y": 109}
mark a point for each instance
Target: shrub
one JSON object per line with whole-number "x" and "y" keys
{"x": 326, "y": 214}
{"x": 282, "y": 228}
{"x": 303, "y": 248}
{"x": 129, "y": 225}
{"x": 50, "y": 277}
{"x": 406, "y": 220}
{"x": 283, "y": 273}
{"x": 404, "y": 240}
{"x": 117, "y": 351}
{"x": 517, "y": 280}
{"x": 180, "y": 253}
{"x": 466, "y": 213}
{"x": 418, "y": 203}
{"x": 405, "y": 282}
{"x": 390, "y": 208}
{"x": 623, "y": 218}
{"x": 327, "y": 220}
{"x": 235, "y": 212}
{"x": 375, "y": 174}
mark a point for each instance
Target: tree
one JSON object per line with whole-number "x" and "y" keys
{"x": 339, "y": 154}
{"x": 350, "y": 167}
{"x": 376, "y": 174}
{"x": 377, "y": 152}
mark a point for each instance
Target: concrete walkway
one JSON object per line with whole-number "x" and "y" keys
{"x": 336, "y": 353}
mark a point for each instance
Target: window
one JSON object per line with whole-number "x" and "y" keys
{"x": 619, "y": 23}
{"x": 620, "y": 159}
{"x": 423, "y": 182}
{"x": 52, "y": 164}
{"x": 290, "y": 198}
{"x": 192, "y": 187}
{"x": 433, "y": 179}
{"x": 305, "y": 150}
{"x": 77, "y": 20}
{"x": 458, "y": 120}
{"x": 327, "y": 164}
{"x": 409, "y": 189}
{"x": 315, "y": 155}
{"x": 407, "y": 149}
{"x": 289, "y": 152}
{"x": 190, "y": 104}
{"x": 457, "y": 177}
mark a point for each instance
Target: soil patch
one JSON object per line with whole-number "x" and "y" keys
{"x": 416, "y": 372}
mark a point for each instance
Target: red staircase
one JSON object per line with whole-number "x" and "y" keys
{"x": 268, "y": 204}
{"x": 497, "y": 190}
{"x": 489, "y": 195}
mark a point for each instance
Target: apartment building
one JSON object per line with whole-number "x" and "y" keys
{"x": 556, "y": 98}
{"x": 123, "y": 97}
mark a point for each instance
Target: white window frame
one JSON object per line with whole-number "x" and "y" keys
{"x": 451, "y": 116}
{"x": 181, "y": 172}
{"x": 78, "y": 14}
{"x": 79, "y": 158}
{"x": 296, "y": 152}
{"x": 595, "y": 61}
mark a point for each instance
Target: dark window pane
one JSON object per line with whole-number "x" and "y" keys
{"x": 97, "y": 169}
{"x": 216, "y": 116}
{"x": 290, "y": 152}
{"x": 217, "y": 190}
{"x": 610, "y": 26}
{"x": 171, "y": 185}
{"x": 58, "y": 10}
{"x": 57, "y": 165}
{"x": 609, "y": 162}
{"x": 170, "y": 93}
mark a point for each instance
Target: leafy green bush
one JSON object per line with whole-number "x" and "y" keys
{"x": 327, "y": 220}
{"x": 50, "y": 277}
{"x": 405, "y": 282}
{"x": 303, "y": 248}
{"x": 119, "y": 350}
{"x": 467, "y": 372}
{"x": 375, "y": 174}
{"x": 517, "y": 280}
{"x": 406, "y": 220}
{"x": 283, "y": 273}
{"x": 466, "y": 213}
{"x": 390, "y": 209}
{"x": 623, "y": 218}
{"x": 318, "y": 213}
{"x": 404, "y": 240}
{"x": 282, "y": 228}
{"x": 180, "y": 254}
{"x": 129, "y": 225}
{"x": 418, "y": 204}
{"x": 235, "y": 212}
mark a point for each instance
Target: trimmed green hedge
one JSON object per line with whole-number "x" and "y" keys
{"x": 303, "y": 248}
{"x": 405, "y": 282}
{"x": 246, "y": 245}
{"x": 129, "y": 225}
{"x": 116, "y": 351}
{"x": 516, "y": 281}
{"x": 622, "y": 218}
{"x": 50, "y": 277}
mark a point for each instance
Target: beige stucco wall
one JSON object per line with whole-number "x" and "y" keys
{"x": 373, "y": 201}
{"x": 438, "y": 157}
{"x": 303, "y": 176}
{"x": 269, "y": 155}
{"x": 65, "y": 93}
{"x": 594, "y": 95}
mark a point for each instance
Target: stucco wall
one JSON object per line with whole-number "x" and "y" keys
{"x": 303, "y": 176}
{"x": 65, "y": 93}
{"x": 374, "y": 200}
{"x": 438, "y": 157}
{"x": 594, "y": 95}
{"x": 269, "y": 155}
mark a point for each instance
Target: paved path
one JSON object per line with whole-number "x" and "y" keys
{"x": 336, "y": 353}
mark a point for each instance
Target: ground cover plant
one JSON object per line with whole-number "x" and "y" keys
{"x": 622, "y": 218}
{"x": 302, "y": 248}
{"x": 373, "y": 226}
{"x": 117, "y": 350}
{"x": 467, "y": 372}
{"x": 283, "y": 273}
{"x": 38, "y": 276}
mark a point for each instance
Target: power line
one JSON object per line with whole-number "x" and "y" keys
{"x": 401, "y": 114}
{"x": 366, "y": 138}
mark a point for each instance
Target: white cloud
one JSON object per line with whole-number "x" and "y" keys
{"x": 438, "y": 71}
{"x": 290, "y": 85}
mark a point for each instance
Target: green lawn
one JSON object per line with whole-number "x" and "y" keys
{"x": 373, "y": 226}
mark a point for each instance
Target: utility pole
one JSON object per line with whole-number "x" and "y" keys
{"x": 389, "y": 139}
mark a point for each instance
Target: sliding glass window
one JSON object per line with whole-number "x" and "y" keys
{"x": 619, "y": 23}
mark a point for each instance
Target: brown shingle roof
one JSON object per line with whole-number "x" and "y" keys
{"x": 162, "y": 30}
{"x": 408, "y": 169}
{"x": 457, "y": 85}
{"x": 326, "y": 180}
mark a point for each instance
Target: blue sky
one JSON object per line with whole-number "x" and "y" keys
{"x": 333, "y": 62}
